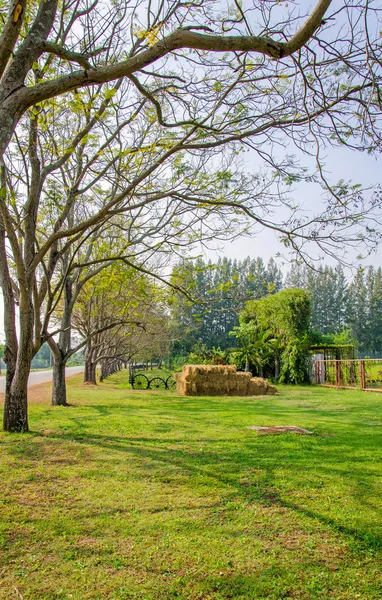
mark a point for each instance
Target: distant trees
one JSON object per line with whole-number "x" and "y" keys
{"x": 219, "y": 292}
{"x": 118, "y": 315}
{"x": 328, "y": 289}
{"x": 341, "y": 308}
{"x": 339, "y": 304}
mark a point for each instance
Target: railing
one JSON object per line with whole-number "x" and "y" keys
{"x": 365, "y": 374}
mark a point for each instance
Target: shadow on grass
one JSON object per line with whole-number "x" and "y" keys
{"x": 212, "y": 465}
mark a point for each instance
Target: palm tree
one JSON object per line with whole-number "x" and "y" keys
{"x": 257, "y": 347}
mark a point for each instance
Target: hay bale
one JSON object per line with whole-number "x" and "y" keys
{"x": 271, "y": 390}
{"x": 261, "y": 387}
{"x": 219, "y": 380}
{"x": 257, "y": 386}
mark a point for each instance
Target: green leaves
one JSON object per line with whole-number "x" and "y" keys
{"x": 283, "y": 317}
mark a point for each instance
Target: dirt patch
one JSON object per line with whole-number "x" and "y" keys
{"x": 276, "y": 429}
{"x": 50, "y": 432}
{"x": 41, "y": 393}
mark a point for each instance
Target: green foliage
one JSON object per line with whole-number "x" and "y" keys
{"x": 201, "y": 355}
{"x": 295, "y": 361}
{"x": 255, "y": 347}
{"x": 342, "y": 312}
{"x": 76, "y": 359}
{"x": 219, "y": 291}
{"x": 347, "y": 312}
{"x": 284, "y": 317}
{"x": 42, "y": 359}
{"x": 285, "y": 314}
{"x": 342, "y": 338}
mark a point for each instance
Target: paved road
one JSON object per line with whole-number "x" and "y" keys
{"x": 43, "y": 376}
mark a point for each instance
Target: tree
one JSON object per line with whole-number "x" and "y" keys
{"x": 358, "y": 312}
{"x": 193, "y": 106}
{"x": 151, "y": 225}
{"x": 375, "y": 314}
{"x": 118, "y": 315}
{"x": 255, "y": 347}
{"x": 218, "y": 293}
{"x": 343, "y": 307}
{"x": 284, "y": 317}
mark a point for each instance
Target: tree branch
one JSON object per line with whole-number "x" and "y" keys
{"x": 177, "y": 40}
{"x": 11, "y": 32}
{"x": 66, "y": 54}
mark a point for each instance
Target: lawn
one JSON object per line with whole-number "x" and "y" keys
{"x": 145, "y": 495}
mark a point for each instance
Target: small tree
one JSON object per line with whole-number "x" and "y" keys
{"x": 255, "y": 347}
{"x": 285, "y": 317}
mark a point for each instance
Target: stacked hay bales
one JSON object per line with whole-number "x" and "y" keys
{"x": 220, "y": 380}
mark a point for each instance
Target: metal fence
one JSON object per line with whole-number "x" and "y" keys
{"x": 365, "y": 374}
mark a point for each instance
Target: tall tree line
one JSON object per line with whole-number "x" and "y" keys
{"x": 217, "y": 293}
{"x": 339, "y": 303}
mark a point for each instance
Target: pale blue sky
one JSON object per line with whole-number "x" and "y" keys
{"x": 341, "y": 163}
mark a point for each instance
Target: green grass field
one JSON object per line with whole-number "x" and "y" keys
{"x": 146, "y": 495}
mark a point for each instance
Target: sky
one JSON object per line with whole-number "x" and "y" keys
{"x": 341, "y": 163}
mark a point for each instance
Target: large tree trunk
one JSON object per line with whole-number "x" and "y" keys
{"x": 90, "y": 373}
{"x": 16, "y": 402}
{"x": 59, "y": 382}
{"x": 61, "y": 349}
{"x": 11, "y": 343}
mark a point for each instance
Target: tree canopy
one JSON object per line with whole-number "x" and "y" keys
{"x": 217, "y": 293}
{"x": 285, "y": 316}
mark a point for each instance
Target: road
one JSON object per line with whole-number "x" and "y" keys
{"x": 42, "y": 376}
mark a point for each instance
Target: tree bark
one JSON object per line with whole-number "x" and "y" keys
{"x": 16, "y": 404}
{"x": 59, "y": 382}
{"x": 277, "y": 368}
{"x": 60, "y": 349}
{"x": 90, "y": 373}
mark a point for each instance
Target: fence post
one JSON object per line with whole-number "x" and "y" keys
{"x": 316, "y": 371}
{"x": 338, "y": 373}
{"x": 362, "y": 374}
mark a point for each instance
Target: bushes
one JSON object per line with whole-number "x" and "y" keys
{"x": 295, "y": 362}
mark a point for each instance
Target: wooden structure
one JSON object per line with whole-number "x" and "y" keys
{"x": 334, "y": 351}
{"x": 364, "y": 374}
